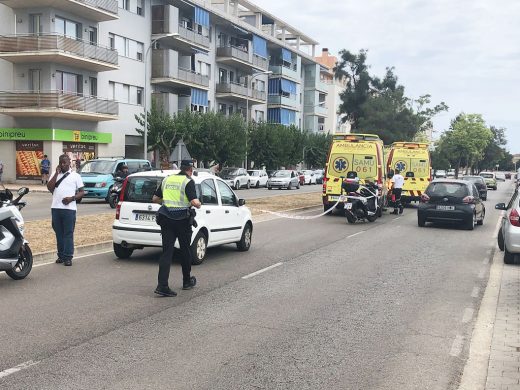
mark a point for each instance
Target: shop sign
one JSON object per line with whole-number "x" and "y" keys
{"x": 29, "y": 155}
{"x": 7, "y": 134}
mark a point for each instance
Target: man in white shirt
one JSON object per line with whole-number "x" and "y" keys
{"x": 66, "y": 187}
{"x": 397, "y": 188}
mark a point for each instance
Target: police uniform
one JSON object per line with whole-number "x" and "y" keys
{"x": 177, "y": 192}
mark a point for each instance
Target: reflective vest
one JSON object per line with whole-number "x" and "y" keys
{"x": 173, "y": 191}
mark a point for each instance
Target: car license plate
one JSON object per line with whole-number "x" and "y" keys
{"x": 348, "y": 206}
{"x": 441, "y": 207}
{"x": 334, "y": 198}
{"x": 145, "y": 217}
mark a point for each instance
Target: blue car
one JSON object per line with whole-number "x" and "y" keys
{"x": 99, "y": 174}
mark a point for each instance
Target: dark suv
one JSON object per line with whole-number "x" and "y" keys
{"x": 480, "y": 183}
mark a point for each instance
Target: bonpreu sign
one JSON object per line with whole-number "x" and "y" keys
{"x": 54, "y": 135}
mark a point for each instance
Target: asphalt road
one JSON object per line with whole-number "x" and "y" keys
{"x": 383, "y": 305}
{"x": 39, "y": 203}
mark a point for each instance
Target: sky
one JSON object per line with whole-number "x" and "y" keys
{"x": 465, "y": 53}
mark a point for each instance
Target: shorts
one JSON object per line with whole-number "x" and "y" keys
{"x": 45, "y": 171}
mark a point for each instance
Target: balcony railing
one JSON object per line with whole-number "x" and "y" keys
{"x": 45, "y": 42}
{"x": 57, "y": 100}
{"x": 260, "y": 62}
{"x": 233, "y": 52}
{"x": 105, "y": 5}
{"x": 77, "y": 6}
{"x": 162, "y": 26}
{"x": 184, "y": 75}
{"x": 241, "y": 90}
{"x": 193, "y": 36}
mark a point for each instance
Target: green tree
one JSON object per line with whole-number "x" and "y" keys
{"x": 316, "y": 149}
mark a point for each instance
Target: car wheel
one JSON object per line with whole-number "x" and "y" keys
{"x": 121, "y": 252}
{"x": 350, "y": 217}
{"x": 258, "y": 184}
{"x": 500, "y": 240}
{"x": 470, "y": 224}
{"x": 245, "y": 242}
{"x": 269, "y": 188}
{"x": 237, "y": 185}
{"x": 107, "y": 198}
{"x": 289, "y": 187}
{"x": 326, "y": 208}
{"x": 480, "y": 222}
{"x": 509, "y": 258}
{"x": 495, "y": 188}
{"x": 298, "y": 186}
{"x": 248, "y": 185}
{"x": 421, "y": 221}
{"x": 198, "y": 248}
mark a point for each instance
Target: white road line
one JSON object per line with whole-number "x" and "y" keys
{"x": 262, "y": 270}
{"x": 485, "y": 261}
{"x": 482, "y": 273}
{"x": 474, "y": 293}
{"x": 395, "y": 219}
{"x": 17, "y": 368}
{"x": 75, "y": 258}
{"x": 355, "y": 234}
{"x": 456, "y": 347}
{"x": 468, "y": 315}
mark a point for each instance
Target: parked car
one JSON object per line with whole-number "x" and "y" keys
{"x": 318, "y": 173}
{"x": 509, "y": 175}
{"x": 309, "y": 176}
{"x": 509, "y": 232}
{"x": 236, "y": 177}
{"x": 440, "y": 173}
{"x": 480, "y": 183}
{"x": 222, "y": 219}
{"x": 452, "y": 200}
{"x": 258, "y": 177}
{"x": 490, "y": 179}
{"x": 500, "y": 176}
{"x": 284, "y": 179}
{"x": 98, "y": 174}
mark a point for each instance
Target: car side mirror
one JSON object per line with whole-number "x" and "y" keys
{"x": 23, "y": 191}
{"x": 500, "y": 206}
{"x": 241, "y": 202}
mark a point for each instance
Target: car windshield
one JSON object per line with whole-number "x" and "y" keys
{"x": 229, "y": 172}
{"x": 282, "y": 174}
{"x": 98, "y": 166}
{"x": 253, "y": 173}
{"x": 443, "y": 189}
{"x": 141, "y": 188}
{"x": 487, "y": 175}
{"x": 472, "y": 179}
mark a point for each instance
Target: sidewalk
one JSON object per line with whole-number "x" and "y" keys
{"x": 504, "y": 359}
{"x": 33, "y": 185}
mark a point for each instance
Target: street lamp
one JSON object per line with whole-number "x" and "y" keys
{"x": 145, "y": 90}
{"x": 249, "y": 85}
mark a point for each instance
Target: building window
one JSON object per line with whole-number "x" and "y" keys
{"x": 93, "y": 86}
{"x": 140, "y": 96}
{"x": 67, "y": 28}
{"x": 112, "y": 90}
{"x": 124, "y": 4}
{"x": 126, "y": 93}
{"x": 140, "y": 10}
{"x": 230, "y": 110}
{"x": 222, "y": 108}
{"x": 259, "y": 116}
{"x": 69, "y": 82}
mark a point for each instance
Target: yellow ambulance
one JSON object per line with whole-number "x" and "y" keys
{"x": 359, "y": 153}
{"x": 412, "y": 159}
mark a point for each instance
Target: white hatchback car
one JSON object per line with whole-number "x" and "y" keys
{"x": 258, "y": 178}
{"x": 310, "y": 177}
{"x": 222, "y": 218}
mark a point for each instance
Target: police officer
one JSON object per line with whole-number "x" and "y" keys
{"x": 176, "y": 194}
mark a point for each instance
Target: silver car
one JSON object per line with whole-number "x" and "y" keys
{"x": 284, "y": 179}
{"x": 509, "y": 233}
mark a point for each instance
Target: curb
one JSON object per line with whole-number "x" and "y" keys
{"x": 92, "y": 249}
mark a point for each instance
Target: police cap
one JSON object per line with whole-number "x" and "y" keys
{"x": 186, "y": 163}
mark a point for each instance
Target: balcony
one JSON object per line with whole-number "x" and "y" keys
{"x": 316, "y": 84}
{"x": 282, "y": 70}
{"x": 57, "y": 104}
{"x": 283, "y": 101}
{"x": 95, "y": 10}
{"x": 179, "y": 78}
{"x": 239, "y": 93}
{"x": 241, "y": 58}
{"x": 57, "y": 49}
{"x": 316, "y": 110}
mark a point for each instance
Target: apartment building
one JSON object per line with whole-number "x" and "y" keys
{"x": 75, "y": 73}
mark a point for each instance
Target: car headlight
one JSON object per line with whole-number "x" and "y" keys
{"x": 100, "y": 185}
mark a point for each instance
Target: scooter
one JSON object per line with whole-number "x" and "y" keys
{"x": 15, "y": 255}
{"x": 361, "y": 201}
{"x": 115, "y": 191}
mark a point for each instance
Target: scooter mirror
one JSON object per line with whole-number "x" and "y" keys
{"x": 23, "y": 191}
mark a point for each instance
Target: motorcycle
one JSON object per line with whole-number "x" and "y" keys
{"x": 115, "y": 192}
{"x": 361, "y": 201}
{"x": 15, "y": 255}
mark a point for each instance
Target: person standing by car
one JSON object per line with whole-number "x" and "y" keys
{"x": 177, "y": 194}
{"x": 46, "y": 166}
{"x": 397, "y": 189}
{"x": 66, "y": 187}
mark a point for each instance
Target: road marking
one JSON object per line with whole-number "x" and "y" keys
{"x": 468, "y": 315}
{"x": 395, "y": 219}
{"x": 75, "y": 258}
{"x": 456, "y": 347}
{"x": 475, "y": 292}
{"x": 355, "y": 234}
{"x": 485, "y": 261}
{"x": 17, "y": 368}
{"x": 482, "y": 273}
{"x": 262, "y": 270}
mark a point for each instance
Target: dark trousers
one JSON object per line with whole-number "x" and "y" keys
{"x": 172, "y": 230}
{"x": 397, "y": 204}
{"x": 63, "y": 223}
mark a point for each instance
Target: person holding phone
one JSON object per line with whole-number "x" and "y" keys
{"x": 66, "y": 187}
